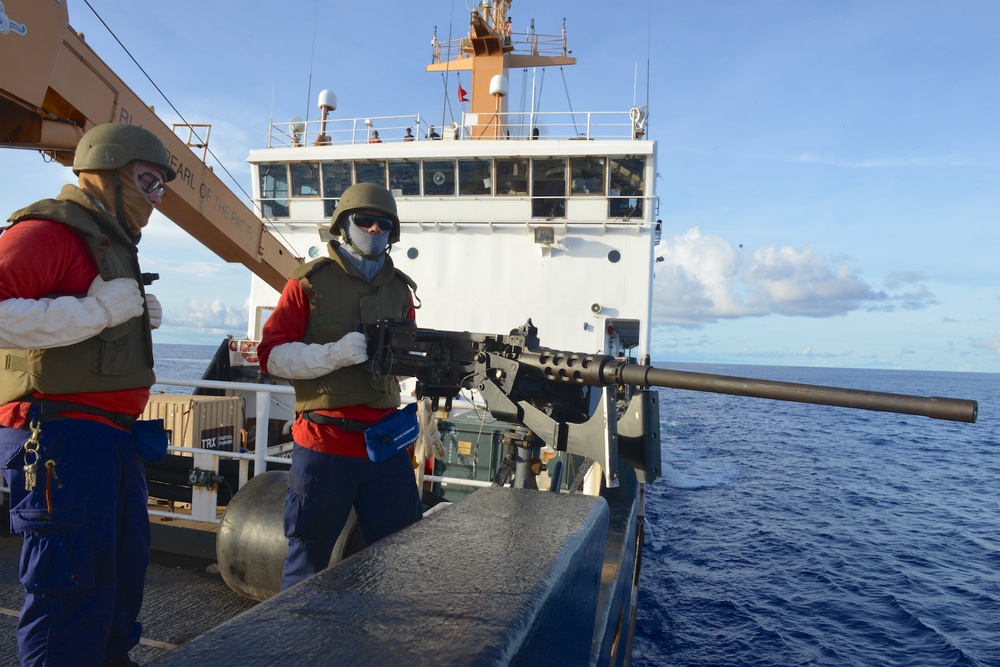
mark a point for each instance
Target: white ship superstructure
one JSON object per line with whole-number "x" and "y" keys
{"x": 504, "y": 217}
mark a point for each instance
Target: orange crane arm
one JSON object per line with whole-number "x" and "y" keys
{"x": 61, "y": 88}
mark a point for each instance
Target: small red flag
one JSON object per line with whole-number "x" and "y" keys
{"x": 462, "y": 95}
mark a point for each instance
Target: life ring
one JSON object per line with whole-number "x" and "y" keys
{"x": 248, "y": 350}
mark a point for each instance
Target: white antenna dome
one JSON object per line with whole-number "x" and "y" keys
{"x": 498, "y": 85}
{"x": 297, "y": 125}
{"x": 327, "y": 100}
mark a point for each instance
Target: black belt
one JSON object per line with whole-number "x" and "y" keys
{"x": 49, "y": 411}
{"x": 346, "y": 424}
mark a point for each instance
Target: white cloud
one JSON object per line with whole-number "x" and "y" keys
{"x": 214, "y": 316}
{"x": 801, "y": 282}
{"x": 704, "y": 279}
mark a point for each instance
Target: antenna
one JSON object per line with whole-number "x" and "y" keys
{"x": 649, "y": 39}
{"x": 635, "y": 81}
{"x": 312, "y": 63}
{"x": 445, "y": 103}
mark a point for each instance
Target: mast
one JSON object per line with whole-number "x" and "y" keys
{"x": 490, "y": 50}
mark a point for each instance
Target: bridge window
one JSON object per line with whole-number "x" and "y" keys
{"x": 336, "y": 178}
{"x": 404, "y": 178}
{"x": 370, "y": 172}
{"x": 626, "y": 186}
{"x": 512, "y": 176}
{"x": 305, "y": 179}
{"x": 548, "y": 188}
{"x": 474, "y": 177}
{"x": 587, "y": 174}
{"x": 274, "y": 190}
{"x": 439, "y": 177}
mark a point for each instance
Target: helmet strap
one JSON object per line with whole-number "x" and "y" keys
{"x": 119, "y": 204}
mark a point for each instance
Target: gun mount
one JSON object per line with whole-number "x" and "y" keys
{"x": 591, "y": 405}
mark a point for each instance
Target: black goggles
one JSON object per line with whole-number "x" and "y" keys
{"x": 366, "y": 220}
{"x": 150, "y": 184}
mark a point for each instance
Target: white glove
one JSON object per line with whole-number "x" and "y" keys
{"x": 350, "y": 350}
{"x": 305, "y": 361}
{"x": 120, "y": 298}
{"x": 155, "y": 311}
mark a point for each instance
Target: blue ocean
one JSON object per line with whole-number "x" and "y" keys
{"x": 180, "y": 362}
{"x": 792, "y": 534}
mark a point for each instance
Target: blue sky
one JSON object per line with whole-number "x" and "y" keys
{"x": 829, "y": 172}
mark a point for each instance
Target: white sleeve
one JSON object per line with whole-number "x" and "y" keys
{"x": 298, "y": 361}
{"x": 36, "y": 324}
{"x": 306, "y": 361}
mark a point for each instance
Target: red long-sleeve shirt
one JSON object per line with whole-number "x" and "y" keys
{"x": 287, "y": 324}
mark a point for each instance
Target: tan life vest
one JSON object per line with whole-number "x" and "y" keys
{"x": 339, "y": 297}
{"x": 119, "y": 357}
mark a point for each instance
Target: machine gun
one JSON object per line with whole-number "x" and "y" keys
{"x": 592, "y": 405}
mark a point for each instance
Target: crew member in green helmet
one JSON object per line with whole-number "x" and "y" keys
{"x": 76, "y": 365}
{"x": 310, "y": 339}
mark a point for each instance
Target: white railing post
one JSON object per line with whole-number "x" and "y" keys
{"x": 263, "y": 420}
{"x": 204, "y": 499}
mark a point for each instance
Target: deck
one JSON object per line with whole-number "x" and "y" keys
{"x": 184, "y": 598}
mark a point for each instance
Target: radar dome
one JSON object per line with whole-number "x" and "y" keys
{"x": 327, "y": 100}
{"x": 498, "y": 85}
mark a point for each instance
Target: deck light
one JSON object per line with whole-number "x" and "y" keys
{"x": 545, "y": 235}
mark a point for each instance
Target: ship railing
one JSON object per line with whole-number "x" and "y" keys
{"x": 526, "y": 126}
{"x": 530, "y": 43}
{"x": 204, "y": 498}
{"x": 551, "y": 125}
{"x": 345, "y": 131}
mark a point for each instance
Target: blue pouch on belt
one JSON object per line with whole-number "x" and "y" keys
{"x": 386, "y": 438}
{"x": 151, "y": 439}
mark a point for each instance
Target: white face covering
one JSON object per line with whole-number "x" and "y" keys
{"x": 369, "y": 245}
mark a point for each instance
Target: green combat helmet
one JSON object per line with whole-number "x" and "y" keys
{"x": 367, "y": 196}
{"x": 114, "y": 145}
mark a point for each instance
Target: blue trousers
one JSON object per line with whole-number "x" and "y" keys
{"x": 86, "y": 542}
{"x": 322, "y": 489}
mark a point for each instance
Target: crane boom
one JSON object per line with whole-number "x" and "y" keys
{"x": 61, "y": 89}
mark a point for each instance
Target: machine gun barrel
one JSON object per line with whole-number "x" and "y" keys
{"x": 953, "y": 409}
{"x": 444, "y": 361}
